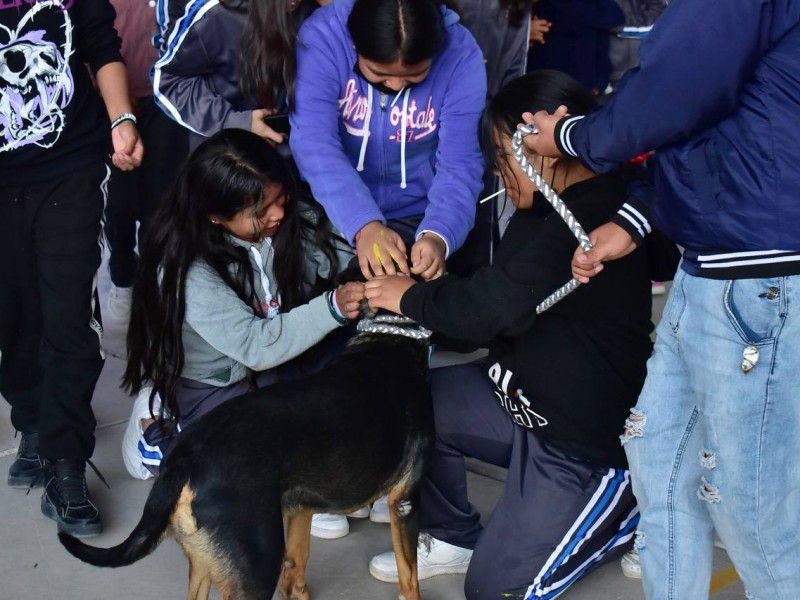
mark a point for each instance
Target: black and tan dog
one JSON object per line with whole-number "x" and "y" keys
{"x": 331, "y": 442}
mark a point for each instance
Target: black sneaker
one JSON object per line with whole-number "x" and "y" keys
{"x": 26, "y": 471}
{"x": 66, "y": 499}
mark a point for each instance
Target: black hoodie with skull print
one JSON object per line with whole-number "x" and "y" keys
{"x": 52, "y": 120}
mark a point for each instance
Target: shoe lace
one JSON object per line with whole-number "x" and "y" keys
{"x": 71, "y": 481}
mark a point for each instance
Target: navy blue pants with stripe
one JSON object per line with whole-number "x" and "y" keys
{"x": 558, "y": 517}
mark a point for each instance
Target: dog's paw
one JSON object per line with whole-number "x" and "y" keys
{"x": 291, "y": 589}
{"x": 301, "y": 594}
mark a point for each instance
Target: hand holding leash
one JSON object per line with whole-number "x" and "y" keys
{"x": 609, "y": 242}
{"x": 552, "y": 197}
{"x": 544, "y": 124}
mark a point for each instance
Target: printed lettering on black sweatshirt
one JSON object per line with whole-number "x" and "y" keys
{"x": 514, "y": 400}
{"x": 36, "y": 83}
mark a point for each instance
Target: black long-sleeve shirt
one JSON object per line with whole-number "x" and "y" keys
{"x": 52, "y": 120}
{"x": 581, "y": 364}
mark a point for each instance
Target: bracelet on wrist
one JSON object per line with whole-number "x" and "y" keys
{"x": 124, "y": 117}
{"x": 334, "y": 310}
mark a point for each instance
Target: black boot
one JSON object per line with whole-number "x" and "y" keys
{"x": 66, "y": 499}
{"x": 26, "y": 470}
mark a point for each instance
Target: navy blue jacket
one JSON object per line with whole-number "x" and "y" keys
{"x": 717, "y": 95}
{"x": 196, "y": 80}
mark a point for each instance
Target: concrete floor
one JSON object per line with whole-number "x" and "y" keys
{"x": 34, "y": 566}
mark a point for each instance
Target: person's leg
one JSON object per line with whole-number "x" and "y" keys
{"x": 558, "y": 518}
{"x": 20, "y": 332}
{"x": 745, "y": 361}
{"x": 124, "y": 194}
{"x": 134, "y": 195}
{"x": 469, "y": 423}
{"x": 663, "y": 437}
{"x": 67, "y": 240}
{"x": 67, "y": 243}
{"x": 196, "y": 399}
{"x": 167, "y": 145}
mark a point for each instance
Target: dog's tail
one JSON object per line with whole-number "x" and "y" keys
{"x": 147, "y": 534}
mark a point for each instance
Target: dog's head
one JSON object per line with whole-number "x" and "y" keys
{"x": 383, "y": 327}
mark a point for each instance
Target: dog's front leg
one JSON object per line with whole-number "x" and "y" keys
{"x": 404, "y": 520}
{"x": 295, "y": 559}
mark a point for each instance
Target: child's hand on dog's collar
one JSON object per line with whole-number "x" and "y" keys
{"x": 386, "y": 292}
{"x": 348, "y": 298}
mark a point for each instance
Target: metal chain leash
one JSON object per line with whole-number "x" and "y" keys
{"x": 558, "y": 204}
{"x": 393, "y": 325}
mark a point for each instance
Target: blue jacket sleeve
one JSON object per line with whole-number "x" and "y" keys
{"x": 694, "y": 65}
{"x": 634, "y": 215}
{"x": 181, "y": 78}
{"x": 316, "y": 144}
{"x": 458, "y": 178}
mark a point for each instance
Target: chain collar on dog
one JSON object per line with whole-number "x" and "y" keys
{"x": 393, "y": 325}
{"x": 558, "y": 204}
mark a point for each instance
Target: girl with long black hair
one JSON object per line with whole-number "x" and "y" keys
{"x": 235, "y": 281}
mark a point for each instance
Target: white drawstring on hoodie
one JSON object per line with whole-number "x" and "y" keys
{"x": 365, "y": 130}
{"x": 403, "y": 141}
{"x": 403, "y": 129}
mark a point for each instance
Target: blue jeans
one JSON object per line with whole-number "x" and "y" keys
{"x": 712, "y": 446}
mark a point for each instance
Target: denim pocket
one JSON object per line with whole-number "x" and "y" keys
{"x": 756, "y": 308}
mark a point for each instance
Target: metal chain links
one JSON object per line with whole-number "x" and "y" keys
{"x": 558, "y": 204}
{"x": 393, "y": 325}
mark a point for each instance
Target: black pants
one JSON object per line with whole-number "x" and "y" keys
{"x": 49, "y": 317}
{"x": 558, "y": 517}
{"x": 134, "y": 195}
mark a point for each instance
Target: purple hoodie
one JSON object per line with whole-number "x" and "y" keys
{"x": 371, "y": 157}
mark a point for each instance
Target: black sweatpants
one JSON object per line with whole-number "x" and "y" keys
{"x": 558, "y": 517}
{"x": 49, "y": 316}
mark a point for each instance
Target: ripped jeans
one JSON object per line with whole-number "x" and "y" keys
{"x": 714, "y": 442}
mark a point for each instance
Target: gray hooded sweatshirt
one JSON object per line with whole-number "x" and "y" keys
{"x": 223, "y": 336}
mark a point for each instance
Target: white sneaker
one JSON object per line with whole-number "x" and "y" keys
{"x": 131, "y": 455}
{"x": 442, "y": 558}
{"x": 361, "y": 513}
{"x": 379, "y": 513}
{"x": 119, "y": 302}
{"x": 631, "y": 567}
{"x": 328, "y": 526}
